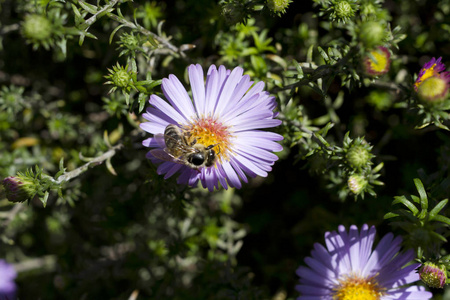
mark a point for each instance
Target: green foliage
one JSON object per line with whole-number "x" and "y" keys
{"x": 76, "y": 76}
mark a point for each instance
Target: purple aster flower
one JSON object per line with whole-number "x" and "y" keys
{"x": 216, "y": 137}
{"x": 348, "y": 268}
{"x": 431, "y": 68}
{"x": 7, "y": 285}
{"x": 378, "y": 62}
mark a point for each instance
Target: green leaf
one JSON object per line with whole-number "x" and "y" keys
{"x": 442, "y": 219}
{"x": 422, "y": 193}
{"x": 89, "y": 7}
{"x": 323, "y": 54}
{"x": 437, "y": 208}
{"x": 44, "y": 198}
{"x": 114, "y": 32}
{"x": 407, "y": 203}
{"x": 390, "y": 215}
{"x": 142, "y": 99}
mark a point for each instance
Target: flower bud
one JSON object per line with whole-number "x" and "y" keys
{"x": 233, "y": 13}
{"x": 36, "y": 28}
{"x": 121, "y": 78}
{"x": 344, "y": 10}
{"x": 278, "y": 6}
{"x": 378, "y": 62}
{"x": 18, "y": 189}
{"x": 358, "y": 156}
{"x": 433, "y": 275}
{"x": 372, "y": 34}
{"x": 434, "y": 90}
{"x": 357, "y": 183}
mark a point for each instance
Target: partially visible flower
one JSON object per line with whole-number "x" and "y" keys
{"x": 7, "y": 284}
{"x": 432, "y": 68}
{"x": 225, "y": 116}
{"x": 348, "y": 268}
{"x": 377, "y": 62}
{"x": 434, "y": 89}
{"x": 433, "y": 275}
{"x": 18, "y": 189}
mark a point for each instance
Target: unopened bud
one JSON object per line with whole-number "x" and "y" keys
{"x": 18, "y": 189}
{"x": 372, "y": 34}
{"x": 433, "y": 275}
{"x": 278, "y": 6}
{"x": 358, "y": 156}
{"x": 36, "y": 27}
{"x": 356, "y": 183}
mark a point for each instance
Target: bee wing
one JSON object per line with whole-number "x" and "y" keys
{"x": 160, "y": 139}
{"x": 163, "y": 155}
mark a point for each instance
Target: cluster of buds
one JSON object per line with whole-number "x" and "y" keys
{"x": 358, "y": 163}
{"x": 432, "y": 83}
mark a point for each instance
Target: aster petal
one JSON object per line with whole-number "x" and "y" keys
{"x": 233, "y": 179}
{"x": 165, "y": 108}
{"x": 155, "y": 115}
{"x": 312, "y": 291}
{"x": 176, "y": 94}
{"x": 408, "y": 293}
{"x": 212, "y": 90}
{"x": 228, "y": 89}
{"x": 198, "y": 87}
{"x": 267, "y": 123}
{"x": 239, "y": 92}
{"x": 175, "y": 168}
{"x": 152, "y": 127}
{"x": 244, "y": 160}
{"x": 256, "y": 152}
{"x": 238, "y": 169}
{"x": 164, "y": 167}
{"x": 383, "y": 253}
{"x": 367, "y": 236}
{"x": 354, "y": 248}
{"x": 397, "y": 276}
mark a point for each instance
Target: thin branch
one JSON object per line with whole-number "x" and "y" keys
{"x": 96, "y": 161}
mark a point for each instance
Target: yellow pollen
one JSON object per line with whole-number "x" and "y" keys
{"x": 208, "y": 131}
{"x": 428, "y": 73}
{"x": 380, "y": 62}
{"x": 356, "y": 288}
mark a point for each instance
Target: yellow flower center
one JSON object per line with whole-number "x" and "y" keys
{"x": 208, "y": 131}
{"x": 356, "y": 288}
{"x": 428, "y": 73}
{"x": 380, "y": 62}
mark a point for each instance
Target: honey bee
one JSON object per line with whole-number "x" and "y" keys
{"x": 180, "y": 148}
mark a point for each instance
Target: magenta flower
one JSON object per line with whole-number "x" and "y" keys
{"x": 432, "y": 68}
{"x": 217, "y": 137}
{"x": 7, "y": 284}
{"x": 348, "y": 268}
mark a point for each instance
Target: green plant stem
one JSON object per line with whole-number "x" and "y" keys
{"x": 95, "y": 161}
{"x": 146, "y": 32}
